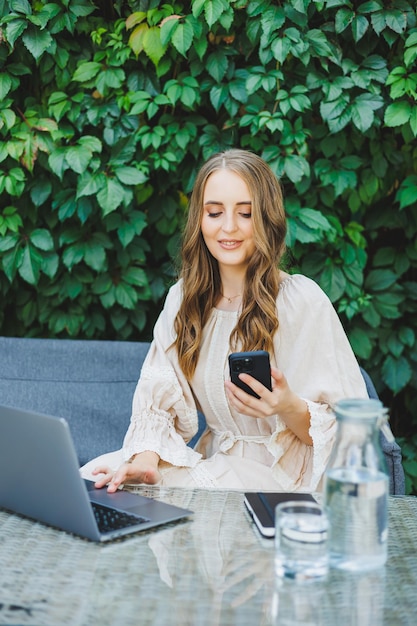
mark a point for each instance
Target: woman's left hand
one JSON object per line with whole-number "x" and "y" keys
{"x": 280, "y": 401}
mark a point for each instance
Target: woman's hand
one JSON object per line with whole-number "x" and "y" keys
{"x": 280, "y": 401}
{"x": 142, "y": 468}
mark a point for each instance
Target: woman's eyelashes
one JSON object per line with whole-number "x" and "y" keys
{"x": 244, "y": 211}
{"x": 218, "y": 213}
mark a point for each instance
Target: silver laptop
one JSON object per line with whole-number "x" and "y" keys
{"x": 40, "y": 479}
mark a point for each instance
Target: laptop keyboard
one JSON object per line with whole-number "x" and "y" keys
{"x": 109, "y": 519}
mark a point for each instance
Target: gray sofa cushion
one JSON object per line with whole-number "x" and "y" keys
{"x": 391, "y": 449}
{"x": 90, "y": 383}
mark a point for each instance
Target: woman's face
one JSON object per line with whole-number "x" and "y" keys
{"x": 226, "y": 225}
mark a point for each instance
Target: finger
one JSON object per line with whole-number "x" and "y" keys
{"x": 278, "y": 376}
{"x": 255, "y": 385}
{"x": 235, "y": 392}
{"x": 106, "y": 475}
{"x": 247, "y": 404}
{"x": 117, "y": 479}
{"x": 237, "y": 396}
{"x": 103, "y": 481}
{"x": 101, "y": 469}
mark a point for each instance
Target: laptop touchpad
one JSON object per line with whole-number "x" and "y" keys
{"x": 119, "y": 500}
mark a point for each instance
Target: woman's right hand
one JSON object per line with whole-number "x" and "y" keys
{"x": 142, "y": 468}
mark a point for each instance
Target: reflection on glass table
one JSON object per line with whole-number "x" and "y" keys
{"x": 213, "y": 570}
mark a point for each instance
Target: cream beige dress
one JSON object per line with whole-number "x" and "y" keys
{"x": 237, "y": 451}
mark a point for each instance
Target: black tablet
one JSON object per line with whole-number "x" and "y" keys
{"x": 261, "y": 507}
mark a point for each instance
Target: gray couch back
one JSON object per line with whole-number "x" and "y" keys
{"x": 89, "y": 383}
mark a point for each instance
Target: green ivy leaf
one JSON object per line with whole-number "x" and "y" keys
{"x": 371, "y": 316}
{"x": 359, "y": 27}
{"x": 87, "y": 71}
{"x": 110, "y": 196}
{"x": 90, "y": 183}
{"x": 126, "y": 295}
{"x": 78, "y": 158}
{"x": 407, "y": 193}
{"x": 168, "y": 28}
{"x": 11, "y": 261}
{"x": 413, "y": 121}
{"x": 152, "y": 45}
{"x": 361, "y": 343}
{"x": 126, "y": 234}
{"x": 333, "y": 282}
{"x": 30, "y": 266}
{"x": 40, "y": 191}
{"x": 281, "y": 48}
{"x": 296, "y": 167}
{"x": 21, "y": 6}
{"x": 319, "y": 43}
{"x": 73, "y": 255}
{"x": 212, "y": 11}
{"x": 378, "y": 21}
{"x": 57, "y": 162}
{"x": 379, "y": 280}
{"x": 362, "y": 115}
{"x": 130, "y": 175}
{"x": 102, "y": 284}
{"x": 36, "y": 41}
{"x": 90, "y": 143}
{"x": 136, "y": 38}
{"x": 50, "y": 264}
{"x": 218, "y": 96}
{"x": 14, "y": 29}
{"x": 9, "y": 118}
{"x": 410, "y": 52}
{"x": 111, "y": 78}
{"x": 95, "y": 256}
{"x": 396, "y": 20}
{"x": 42, "y": 239}
{"x": 407, "y": 336}
{"x": 333, "y": 109}
{"x": 398, "y": 113}
{"x": 5, "y": 85}
{"x": 81, "y": 8}
{"x": 314, "y": 219}
{"x": 197, "y": 7}
{"x": 344, "y": 17}
{"x": 396, "y": 373}
{"x": 10, "y": 220}
{"x": 394, "y": 346}
{"x": 387, "y": 305}
{"x": 183, "y": 37}
{"x": 217, "y": 64}
{"x": 8, "y": 242}
{"x": 135, "y": 276}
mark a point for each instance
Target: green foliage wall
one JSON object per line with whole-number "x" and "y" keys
{"x": 108, "y": 108}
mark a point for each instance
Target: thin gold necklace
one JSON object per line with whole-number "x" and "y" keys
{"x": 230, "y": 299}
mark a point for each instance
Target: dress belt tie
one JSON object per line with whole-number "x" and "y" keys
{"x": 227, "y": 439}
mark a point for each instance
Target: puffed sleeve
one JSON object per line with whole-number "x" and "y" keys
{"x": 164, "y": 415}
{"x": 313, "y": 352}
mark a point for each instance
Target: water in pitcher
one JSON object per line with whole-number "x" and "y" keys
{"x": 358, "y": 517}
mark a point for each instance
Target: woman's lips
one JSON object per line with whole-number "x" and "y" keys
{"x": 229, "y": 244}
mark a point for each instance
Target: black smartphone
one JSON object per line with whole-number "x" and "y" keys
{"x": 261, "y": 507}
{"x": 255, "y": 363}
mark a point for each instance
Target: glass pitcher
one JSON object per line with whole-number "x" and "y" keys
{"x": 356, "y": 487}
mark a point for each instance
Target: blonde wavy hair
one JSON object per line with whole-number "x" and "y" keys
{"x": 258, "y": 320}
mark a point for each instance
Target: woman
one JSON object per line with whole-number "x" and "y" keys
{"x": 232, "y": 296}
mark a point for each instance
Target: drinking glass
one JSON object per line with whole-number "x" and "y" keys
{"x": 301, "y": 541}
